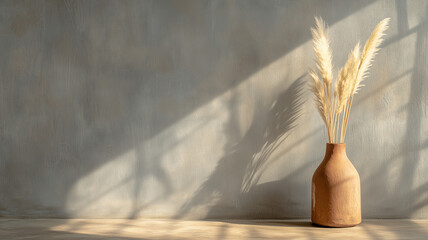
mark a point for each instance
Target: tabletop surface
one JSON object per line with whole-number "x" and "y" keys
{"x": 205, "y": 229}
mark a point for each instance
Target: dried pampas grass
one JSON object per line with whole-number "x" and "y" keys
{"x": 334, "y": 105}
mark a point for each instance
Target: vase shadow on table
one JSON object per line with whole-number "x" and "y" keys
{"x": 232, "y": 190}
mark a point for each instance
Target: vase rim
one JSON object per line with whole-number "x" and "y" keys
{"x": 335, "y": 143}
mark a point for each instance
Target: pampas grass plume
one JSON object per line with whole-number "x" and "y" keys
{"x": 334, "y": 105}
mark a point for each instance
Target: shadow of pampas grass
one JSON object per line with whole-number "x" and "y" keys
{"x": 245, "y": 162}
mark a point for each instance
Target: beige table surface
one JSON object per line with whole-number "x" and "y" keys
{"x": 12, "y": 229}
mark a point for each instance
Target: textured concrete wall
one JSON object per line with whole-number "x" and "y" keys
{"x": 200, "y": 109}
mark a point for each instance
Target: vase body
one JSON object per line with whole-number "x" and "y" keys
{"x": 336, "y": 195}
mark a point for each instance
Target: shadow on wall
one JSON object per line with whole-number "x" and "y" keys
{"x": 85, "y": 82}
{"x": 409, "y": 193}
{"x": 417, "y": 198}
{"x": 232, "y": 190}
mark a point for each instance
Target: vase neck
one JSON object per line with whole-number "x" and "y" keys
{"x": 335, "y": 151}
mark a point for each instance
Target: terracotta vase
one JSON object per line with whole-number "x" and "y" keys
{"x": 336, "y": 196}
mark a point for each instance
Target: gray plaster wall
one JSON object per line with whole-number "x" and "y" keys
{"x": 201, "y": 109}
